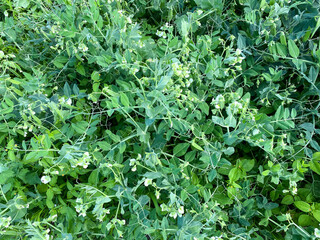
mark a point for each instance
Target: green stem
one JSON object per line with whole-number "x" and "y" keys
{"x": 155, "y": 202}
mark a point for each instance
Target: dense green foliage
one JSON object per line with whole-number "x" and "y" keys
{"x": 153, "y": 119}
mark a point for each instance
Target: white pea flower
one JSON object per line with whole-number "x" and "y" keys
{"x": 288, "y": 216}
{"x": 52, "y": 218}
{"x": 83, "y": 214}
{"x": 235, "y": 107}
{"x": 163, "y": 207}
{"x": 293, "y": 187}
{"x": 62, "y": 100}
{"x": 101, "y": 217}
{"x": 238, "y": 105}
{"x": 45, "y": 179}
{"x": 85, "y": 165}
{"x": 147, "y": 182}
{"x": 238, "y": 51}
{"x": 78, "y": 208}
{"x": 199, "y": 12}
{"x": 132, "y": 162}
{"x": 84, "y": 161}
{"x": 82, "y": 209}
{"x": 219, "y": 102}
{"x": 83, "y": 47}
{"x": 216, "y": 238}
{"x": 160, "y": 33}
{"x": 187, "y": 74}
{"x": 173, "y": 214}
{"x": 294, "y": 191}
{"x": 86, "y": 154}
{"x": 21, "y": 206}
{"x": 181, "y": 210}
{"x": 5, "y": 222}
{"x": 157, "y": 194}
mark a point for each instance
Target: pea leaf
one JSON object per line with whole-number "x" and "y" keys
{"x": 304, "y": 220}
{"x": 303, "y": 206}
{"x": 104, "y": 145}
{"x": 234, "y": 174}
{"x": 67, "y": 89}
{"x": 195, "y": 145}
{"x": 212, "y": 175}
{"x": 316, "y": 27}
{"x": 181, "y": 149}
{"x": 293, "y": 49}
{"x": 287, "y": 200}
{"x": 60, "y": 61}
{"x": 282, "y": 50}
{"x": 80, "y": 127}
{"x": 204, "y": 107}
{"x": 247, "y": 164}
{"x": 124, "y": 100}
{"x": 316, "y": 214}
{"x": 315, "y": 166}
{"x": 50, "y": 194}
{"x": 163, "y": 82}
{"x": 80, "y": 69}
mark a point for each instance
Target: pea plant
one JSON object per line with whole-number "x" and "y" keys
{"x": 154, "y": 119}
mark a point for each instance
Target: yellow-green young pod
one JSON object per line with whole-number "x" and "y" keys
{"x": 283, "y": 39}
{"x": 307, "y": 35}
{"x": 267, "y": 36}
{"x": 272, "y": 48}
{"x": 273, "y": 29}
{"x": 170, "y": 15}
